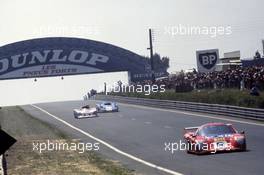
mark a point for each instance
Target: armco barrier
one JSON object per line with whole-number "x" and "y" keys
{"x": 226, "y": 110}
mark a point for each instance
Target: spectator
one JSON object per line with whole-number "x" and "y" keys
{"x": 257, "y": 55}
{"x": 254, "y": 91}
{"x": 232, "y": 78}
{"x": 239, "y": 78}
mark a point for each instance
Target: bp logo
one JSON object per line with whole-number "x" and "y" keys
{"x": 208, "y": 60}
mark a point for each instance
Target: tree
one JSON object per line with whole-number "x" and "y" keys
{"x": 159, "y": 63}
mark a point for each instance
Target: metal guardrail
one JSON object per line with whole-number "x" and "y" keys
{"x": 226, "y": 110}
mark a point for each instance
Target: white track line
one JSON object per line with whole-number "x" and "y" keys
{"x": 194, "y": 114}
{"x": 110, "y": 146}
{"x": 167, "y": 127}
{"x": 147, "y": 123}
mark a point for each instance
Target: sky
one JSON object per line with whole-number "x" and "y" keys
{"x": 125, "y": 23}
{"x": 52, "y": 89}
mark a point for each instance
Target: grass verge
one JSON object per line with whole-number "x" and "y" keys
{"x": 23, "y": 160}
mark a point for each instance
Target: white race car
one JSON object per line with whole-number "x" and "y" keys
{"x": 107, "y": 106}
{"x": 85, "y": 112}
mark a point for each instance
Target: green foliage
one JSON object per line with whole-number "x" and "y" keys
{"x": 160, "y": 63}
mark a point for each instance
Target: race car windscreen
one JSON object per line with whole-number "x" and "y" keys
{"x": 216, "y": 130}
{"x": 107, "y": 104}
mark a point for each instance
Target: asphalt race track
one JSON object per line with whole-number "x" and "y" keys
{"x": 143, "y": 132}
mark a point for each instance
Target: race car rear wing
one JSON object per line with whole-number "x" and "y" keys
{"x": 189, "y": 129}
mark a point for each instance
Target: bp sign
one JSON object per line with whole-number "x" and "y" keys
{"x": 207, "y": 60}
{"x": 67, "y": 56}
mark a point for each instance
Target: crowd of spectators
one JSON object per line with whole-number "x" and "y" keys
{"x": 241, "y": 78}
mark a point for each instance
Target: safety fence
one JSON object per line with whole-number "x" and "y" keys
{"x": 226, "y": 110}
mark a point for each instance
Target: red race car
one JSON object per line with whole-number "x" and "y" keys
{"x": 214, "y": 137}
